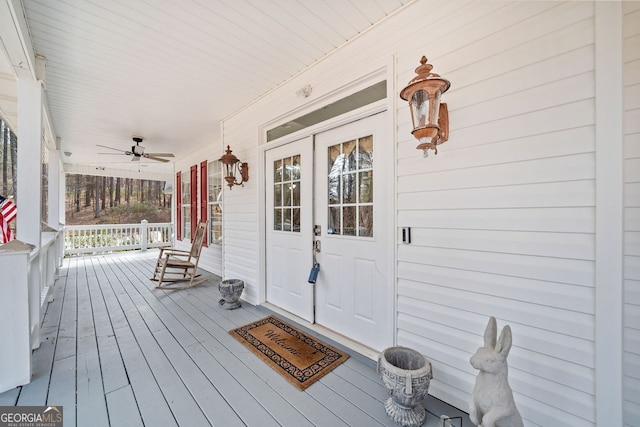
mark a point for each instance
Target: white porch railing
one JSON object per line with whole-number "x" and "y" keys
{"x": 83, "y": 239}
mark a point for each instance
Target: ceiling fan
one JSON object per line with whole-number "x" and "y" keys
{"x": 137, "y": 151}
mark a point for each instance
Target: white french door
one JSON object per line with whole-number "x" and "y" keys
{"x": 353, "y": 193}
{"x": 338, "y": 194}
{"x": 289, "y": 201}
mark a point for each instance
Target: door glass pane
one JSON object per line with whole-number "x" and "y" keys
{"x": 286, "y": 200}
{"x": 350, "y": 189}
{"x": 296, "y": 167}
{"x": 334, "y": 190}
{"x": 277, "y": 171}
{"x": 365, "y": 228}
{"x": 287, "y": 170}
{"x": 296, "y": 194}
{"x": 349, "y": 220}
{"x": 334, "y": 153}
{"x": 277, "y": 219}
{"x": 277, "y": 195}
{"x": 286, "y": 219}
{"x": 334, "y": 221}
{"x": 286, "y": 194}
{"x": 296, "y": 220}
{"x": 365, "y": 152}
{"x": 366, "y": 187}
{"x": 349, "y": 150}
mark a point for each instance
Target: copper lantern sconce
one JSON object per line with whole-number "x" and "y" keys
{"x": 233, "y": 168}
{"x": 430, "y": 117}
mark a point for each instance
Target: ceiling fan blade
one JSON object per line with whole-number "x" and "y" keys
{"x": 135, "y": 159}
{"x": 110, "y": 148}
{"x": 159, "y": 154}
{"x": 159, "y": 159}
{"x": 112, "y": 154}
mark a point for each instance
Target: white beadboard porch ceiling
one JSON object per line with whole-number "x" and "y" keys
{"x": 170, "y": 70}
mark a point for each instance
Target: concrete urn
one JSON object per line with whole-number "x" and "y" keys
{"x": 406, "y": 374}
{"x": 230, "y": 291}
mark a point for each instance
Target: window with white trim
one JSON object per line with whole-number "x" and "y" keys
{"x": 215, "y": 202}
{"x": 186, "y": 205}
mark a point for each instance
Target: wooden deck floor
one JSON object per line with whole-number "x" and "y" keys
{"x": 115, "y": 351}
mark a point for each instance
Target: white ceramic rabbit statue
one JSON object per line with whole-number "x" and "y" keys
{"x": 492, "y": 403}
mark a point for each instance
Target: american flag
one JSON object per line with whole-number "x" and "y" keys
{"x": 8, "y": 212}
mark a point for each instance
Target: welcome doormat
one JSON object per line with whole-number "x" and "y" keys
{"x": 300, "y": 358}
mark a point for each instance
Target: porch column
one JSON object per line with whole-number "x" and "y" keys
{"x": 56, "y": 189}
{"x": 28, "y": 194}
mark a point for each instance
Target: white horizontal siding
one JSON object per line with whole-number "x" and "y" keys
{"x": 549, "y": 219}
{"x": 513, "y": 188}
{"x": 558, "y": 245}
{"x": 503, "y": 217}
{"x": 558, "y": 169}
{"x": 631, "y": 361}
{"x": 556, "y": 194}
{"x": 576, "y": 272}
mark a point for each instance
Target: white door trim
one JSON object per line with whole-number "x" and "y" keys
{"x": 389, "y": 104}
{"x": 360, "y": 113}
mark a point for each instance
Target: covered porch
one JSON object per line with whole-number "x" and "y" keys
{"x": 115, "y": 351}
{"x": 530, "y": 213}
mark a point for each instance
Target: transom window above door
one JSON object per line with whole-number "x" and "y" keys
{"x": 286, "y": 194}
{"x": 350, "y": 189}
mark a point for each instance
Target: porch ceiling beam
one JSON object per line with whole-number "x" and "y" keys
{"x": 113, "y": 172}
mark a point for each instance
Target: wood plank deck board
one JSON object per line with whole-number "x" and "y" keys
{"x": 123, "y": 410}
{"x": 153, "y": 406}
{"x": 91, "y": 400}
{"x": 127, "y": 354}
{"x": 223, "y": 367}
{"x": 206, "y": 303}
{"x": 165, "y": 388}
{"x": 217, "y": 345}
{"x": 354, "y": 411}
{"x": 10, "y": 397}
{"x": 248, "y": 410}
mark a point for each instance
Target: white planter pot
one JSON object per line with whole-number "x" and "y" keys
{"x": 406, "y": 374}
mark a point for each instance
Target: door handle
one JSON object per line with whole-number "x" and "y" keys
{"x": 316, "y": 246}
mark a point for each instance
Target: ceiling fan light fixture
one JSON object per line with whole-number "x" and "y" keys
{"x": 137, "y": 151}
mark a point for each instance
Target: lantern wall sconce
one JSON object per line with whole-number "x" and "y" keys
{"x": 233, "y": 168}
{"x": 430, "y": 117}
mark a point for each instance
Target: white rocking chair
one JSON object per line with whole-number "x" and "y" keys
{"x": 174, "y": 265}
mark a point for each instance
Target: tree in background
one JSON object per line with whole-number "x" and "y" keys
{"x": 102, "y": 200}
{"x": 9, "y": 158}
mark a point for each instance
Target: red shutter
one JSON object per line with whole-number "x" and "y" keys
{"x": 204, "y": 196}
{"x": 194, "y": 200}
{"x": 178, "y": 206}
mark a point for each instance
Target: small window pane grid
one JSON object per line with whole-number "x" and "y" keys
{"x": 286, "y": 194}
{"x": 215, "y": 202}
{"x": 186, "y": 206}
{"x": 350, "y": 190}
